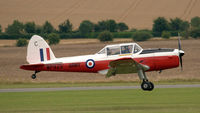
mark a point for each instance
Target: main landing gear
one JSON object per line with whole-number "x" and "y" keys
{"x": 146, "y": 85}
{"x": 34, "y": 75}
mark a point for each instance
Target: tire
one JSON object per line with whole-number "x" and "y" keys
{"x": 151, "y": 86}
{"x": 33, "y": 76}
{"x": 145, "y": 85}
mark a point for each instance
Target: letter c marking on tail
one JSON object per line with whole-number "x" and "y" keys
{"x": 36, "y": 43}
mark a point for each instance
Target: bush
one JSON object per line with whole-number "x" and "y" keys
{"x": 185, "y": 34}
{"x": 141, "y": 36}
{"x": 166, "y": 34}
{"x": 93, "y": 35}
{"x": 105, "y": 36}
{"x": 122, "y": 34}
{"x": 53, "y": 38}
{"x": 133, "y": 30}
{"x": 195, "y": 33}
{"x": 21, "y": 42}
{"x": 174, "y": 33}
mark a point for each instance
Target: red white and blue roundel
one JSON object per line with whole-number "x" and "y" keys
{"x": 90, "y": 63}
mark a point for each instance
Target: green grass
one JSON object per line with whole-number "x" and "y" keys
{"x": 7, "y": 85}
{"x": 173, "y": 100}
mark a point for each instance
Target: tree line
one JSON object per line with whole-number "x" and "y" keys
{"x": 162, "y": 27}
{"x": 173, "y": 27}
{"x": 65, "y": 29}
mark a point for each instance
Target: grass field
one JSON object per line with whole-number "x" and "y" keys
{"x": 172, "y": 100}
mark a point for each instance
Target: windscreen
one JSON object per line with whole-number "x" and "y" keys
{"x": 126, "y": 49}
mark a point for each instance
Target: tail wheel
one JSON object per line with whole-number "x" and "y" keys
{"x": 33, "y": 76}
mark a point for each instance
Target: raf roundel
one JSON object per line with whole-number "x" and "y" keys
{"x": 90, "y": 63}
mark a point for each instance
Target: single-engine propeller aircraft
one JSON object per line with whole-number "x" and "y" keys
{"x": 111, "y": 60}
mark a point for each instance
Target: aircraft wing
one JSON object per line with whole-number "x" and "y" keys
{"x": 124, "y": 66}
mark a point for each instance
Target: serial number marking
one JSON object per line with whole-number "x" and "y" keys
{"x": 72, "y": 65}
{"x": 54, "y": 66}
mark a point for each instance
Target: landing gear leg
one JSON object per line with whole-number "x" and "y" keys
{"x": 34, "y": 75}
{"x": 146, "y": 85}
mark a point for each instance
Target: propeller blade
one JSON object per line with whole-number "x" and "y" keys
{"x": 179, "y": 42}
{"x": 181, "y": 53}
{"x": 181, "y": 61}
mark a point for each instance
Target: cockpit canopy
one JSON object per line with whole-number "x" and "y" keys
{"x": 127, "y": 48}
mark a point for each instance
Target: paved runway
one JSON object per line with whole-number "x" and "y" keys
{"x": 93, "y": 88}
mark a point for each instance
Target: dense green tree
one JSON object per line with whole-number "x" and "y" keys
{"x": 105, "y": 36}
{"x": 86, "y": 27}
{"x": 185, "y": 26}
{"x": 16, "y": 27}
{"x": 30, "y": 27}
{"x": 97, "y": 27}
{"x": 100, "y": 26}
{"x": 122, "y": 26}
{"x": 53, "y": 39}
{"x": 38, "y": 29}
{"x": 108, "y": 25}
{"x": 160, "y": 24}
{"x": 47, "y": 27}
{"x": 65, "y": 27}
{"x": 195, "y": 21}
{"x": 178, "y": 25}
{"x": 111, "y": 25}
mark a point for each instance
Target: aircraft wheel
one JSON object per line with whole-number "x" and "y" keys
{"x": 145, "y": 85}
{"x": 151, "y": 86}
{"x": 33, "y": 76}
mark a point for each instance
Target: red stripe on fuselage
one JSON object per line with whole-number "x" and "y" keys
{"x": 155, "y": 63}
{"x": 48, "y": 54}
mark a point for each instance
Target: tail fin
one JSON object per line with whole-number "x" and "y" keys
{"x": 38, "y": 50}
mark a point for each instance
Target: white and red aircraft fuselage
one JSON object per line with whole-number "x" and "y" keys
{"x": 111, "y": 60}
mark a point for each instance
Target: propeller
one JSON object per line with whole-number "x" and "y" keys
{"x": 181, "y": 52}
